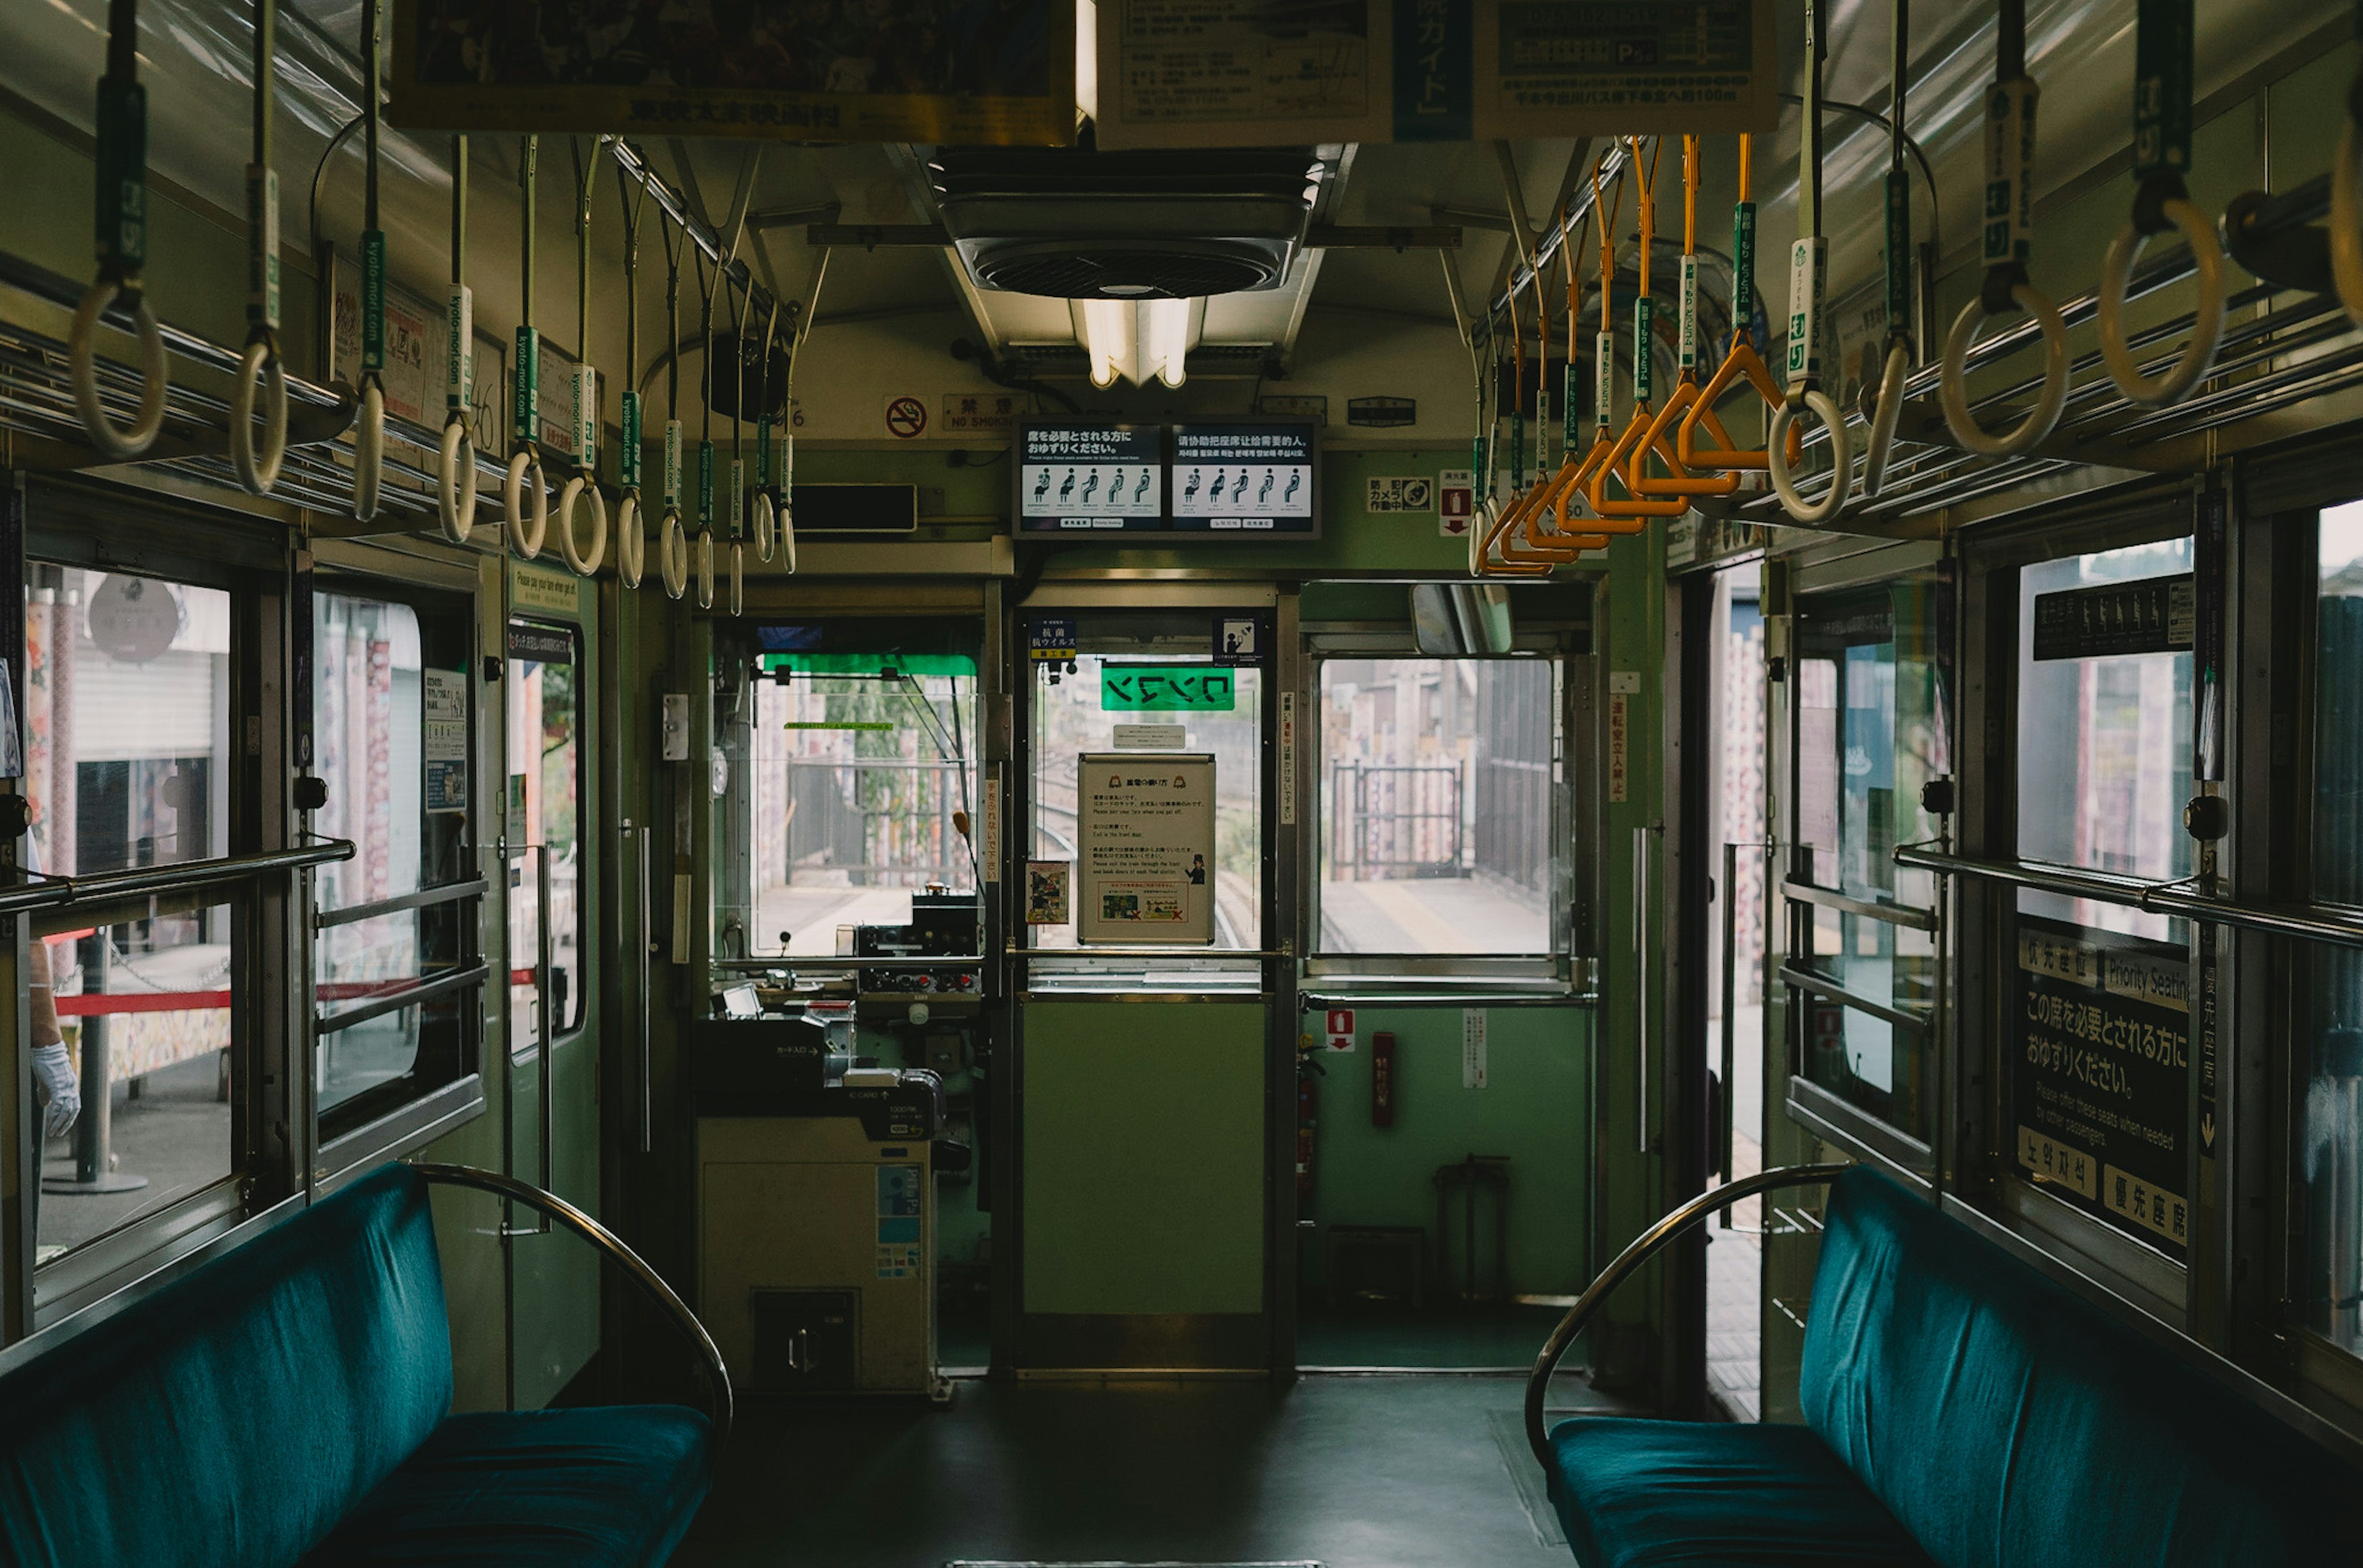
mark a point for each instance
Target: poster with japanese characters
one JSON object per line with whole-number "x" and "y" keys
{"x": 1612, "y": 68}
{"x": 1242, "y": 73}
{"x": 2101, "y": 1078}
{"x": 989, "y": 71}
{"x": 1144, "y": 852}
{"x": 1081, "y": 476}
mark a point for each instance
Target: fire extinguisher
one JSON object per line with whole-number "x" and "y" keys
{"x": 1308, "y": 1116}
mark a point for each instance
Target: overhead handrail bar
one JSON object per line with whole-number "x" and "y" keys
{"x": 1640, "y": 1251}
{"x": 1559, "y": 501}
{"x": 172, "y": 876}
{"x": 2163, "y": 51}
{"x": 2009, "y": 242}
{"x": 122, "y": 224}
{"x": 548, "y": 1203}
{"x": 1809, "y": 261}
{"x": 2309, "y": 922}
{"x": 1546, "y": 251}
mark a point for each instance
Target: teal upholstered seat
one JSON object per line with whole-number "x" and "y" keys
{"x": 1962, "y": 1410}
{"x": 235, "y": 1418}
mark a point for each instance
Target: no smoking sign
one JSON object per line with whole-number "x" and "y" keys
{"x": 906, "y": 418}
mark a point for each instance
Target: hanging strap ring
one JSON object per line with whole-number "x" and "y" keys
{"x": 585, "y": 563}
{"x": 525, "y": 472}
{"x": 631, "y": 545}
{"x": 738, "y": 578}
{"x": 1825, "y": 408}
{"x": 1952, "y": 387}
{"x": 258, "y": 367}
{"x": 369, "y": 452}
{"x": 455, "y": 479}
{"x": 705, "y": 569}
{"x": 766, "y": 525}
{"x": 122, "y": 444}
{"x": 1884, "y": 412}
{"x": 673, "y": 555}
{"x": 2207, "y": 315}
{"x": 2345, "y": 223}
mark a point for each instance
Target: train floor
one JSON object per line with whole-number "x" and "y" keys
{"x": 1346, "y": 1471}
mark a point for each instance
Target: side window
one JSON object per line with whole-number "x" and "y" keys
{"x": 1437, "y": 787}
{"x": 392, "y": 723}
{"x": 545, "y": 784}
{"x": 127, "y": 717}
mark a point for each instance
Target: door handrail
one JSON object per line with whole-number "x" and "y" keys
{"x": 425, "y": 898}
{"x": 172, "y": 876}
{"x": 1642, "y": 1249}
{"x": 2311, "y": 922}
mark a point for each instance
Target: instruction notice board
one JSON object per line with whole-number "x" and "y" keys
{"x": 2100, "y": 1085}
{"x": 1145, "y": 851}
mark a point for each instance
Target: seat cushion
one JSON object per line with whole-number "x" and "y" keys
{"x": 231, "y": 1419}
{"x": 1705, "y": 1494}
{"x": 603, "y": 1487}
{"x": 2005, "y": 1421}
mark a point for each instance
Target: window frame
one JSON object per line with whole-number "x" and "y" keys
{"x": 1551, "y": 970}
{"x": 389, "y": 1128}
{"x": 586, "y": 893}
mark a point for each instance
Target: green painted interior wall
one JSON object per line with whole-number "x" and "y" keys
{"x": 1144, "y": 1174}
{"x": 1536, "y": 1108}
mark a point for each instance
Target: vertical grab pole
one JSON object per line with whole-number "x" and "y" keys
{"x": 646, "y": 937}
{"x": 546, "y": 975}
{"x": 1641, "y": 912}
{"x": 1728, "y": 890}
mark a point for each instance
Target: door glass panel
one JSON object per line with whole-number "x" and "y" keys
{"x": 392, "y": 725}
{"x": 128, "y": 764}
{"x": 2098, "y": 1061}
{"x": 1871, "y": 733}
{"x": 1436, "y": 785}
{"x": 545, "y": 772}
{"x": 2329, "y": 1289}
{"x": 862, "y": 766}
{"x": 1098, "y": 710}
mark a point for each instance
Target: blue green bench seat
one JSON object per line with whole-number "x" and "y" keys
{"x": 288, "y": 1405}
{"x": 1961, "y": 1410}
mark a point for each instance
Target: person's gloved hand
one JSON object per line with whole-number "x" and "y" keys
{"x": 54, "y": 1067}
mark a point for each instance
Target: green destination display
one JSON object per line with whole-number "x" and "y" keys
{"x": 2100, "y": 1085}
{"x": 1168, "y": 688}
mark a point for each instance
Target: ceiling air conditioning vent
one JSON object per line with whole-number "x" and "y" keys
{"x": 1077, "y": 224}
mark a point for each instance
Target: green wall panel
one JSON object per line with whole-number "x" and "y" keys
{"x": 1534, "y": 1109}
{"x": 1144, "y": 1176}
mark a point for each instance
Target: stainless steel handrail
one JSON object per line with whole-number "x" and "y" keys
{"x": 1869, "y": 909}
{"x": 642, "y": 1034}
{"x": 1815, "y": 984}
{"x": 425, "y": 898}
{"x": 2309, "y": 922}
{"x": 395, "y": 1001}
{"x": 1642, "y": 838}
{"x": 171, "y": 877}
{"x": 551, "y": 1206}
{"x": 1643, "y": 1248}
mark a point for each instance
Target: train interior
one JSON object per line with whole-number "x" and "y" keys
{"x": 1034, "y": 784}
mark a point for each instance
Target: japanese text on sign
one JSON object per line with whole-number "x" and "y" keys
{"x": 1177, "y": 688}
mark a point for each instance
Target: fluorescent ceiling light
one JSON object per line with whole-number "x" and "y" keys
{"x": 1164, "y": 339}
{"x": 1105, "y": 327}
{"x": 1087, "y": 59}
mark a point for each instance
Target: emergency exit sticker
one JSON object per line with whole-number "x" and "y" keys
{"x": 1472, "y": 1048}
{"x": 1456, "y": 502}
{"x": 1340, "y": 1033}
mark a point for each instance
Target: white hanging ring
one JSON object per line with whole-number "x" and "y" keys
{"x": 259, "y": 366}
{"x": 705, "y": 570}
{"x": 1883, "y": 414}
{"x": 368, "y": 452}
{"x": 526, "y": 540}
{"x": 631, "y": 545}
{"x": 120, "y": 444}
{"x": 2206, "y": 315}
{"x": 2345, "y": 223}
{"x": 788, "y": 540}
{"x": 766, "y": 530}
{"x": 1951, "y": 388}
{"x": 585, "y": 563}
{"x": 455, "y": 481}
{"x": 1822, "y": 406}
{"x": 673, "y": 555}
{"x": 738, "y": 578}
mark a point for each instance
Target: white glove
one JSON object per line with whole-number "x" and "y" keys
{"x": 54, "y": 1067}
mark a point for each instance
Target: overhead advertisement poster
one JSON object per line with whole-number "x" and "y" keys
{"x": 2100, "y": 1086}
{"x": 1246, "y": 478}
{"x": 1242, "y": 73}
{"x": 1145, "y": 851}
{"x": 1075, "y": 478}
{"x": 1610, "y": 67}
{"x": 993, "y": 72}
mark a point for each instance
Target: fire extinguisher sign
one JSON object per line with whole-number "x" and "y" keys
{"x": 1339, "y": 1035}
